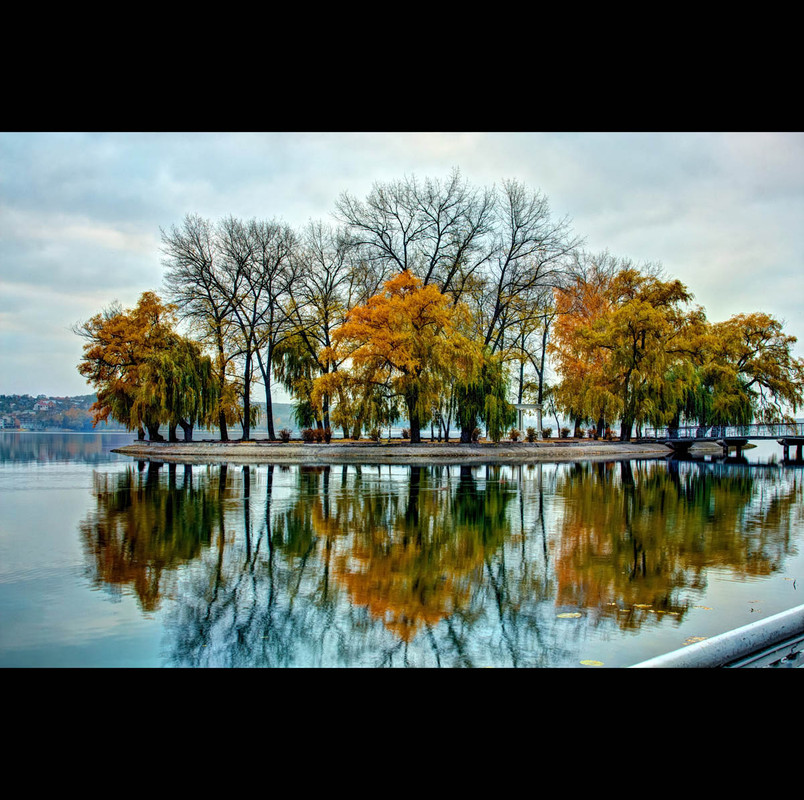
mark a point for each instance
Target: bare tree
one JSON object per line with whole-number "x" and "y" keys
{"x": 532, "y": 252}
{"x": 435, "y": 229}
{"x": 194, "y": 282}
{"x": 269, "y": 298}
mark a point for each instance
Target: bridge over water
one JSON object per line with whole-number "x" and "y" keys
{"x": 729, "y": 436}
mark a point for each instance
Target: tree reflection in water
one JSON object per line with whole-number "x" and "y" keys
{"x": 426, "y": 566}
{"x": 640, "y": 536}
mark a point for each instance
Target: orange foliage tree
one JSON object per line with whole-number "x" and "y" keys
{"x": 583, "y": 393}
{"x": 144, "y": 372}
{"x": 407, "y": 339}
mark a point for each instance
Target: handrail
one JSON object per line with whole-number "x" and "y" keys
{"x": 782, "y": 429}
{"x": 743, "y": 647}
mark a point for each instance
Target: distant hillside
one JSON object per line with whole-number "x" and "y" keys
{"x": 46, "y": 413}
{"x": 24, "y": 411}
{"x": 72, "y": 413}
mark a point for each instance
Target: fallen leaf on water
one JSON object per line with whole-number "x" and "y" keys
{"x": 568, "y": 614}
{"x": 693, "y": 639}
{"x": 591, "y": 663}
{"x": 705, "y": 608}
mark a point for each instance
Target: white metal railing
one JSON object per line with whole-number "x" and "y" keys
{"x": 779, "y": 430}
{"x": 775, "y": 641}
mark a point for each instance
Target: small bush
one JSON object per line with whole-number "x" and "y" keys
{"x": 476, "y": 434}
{"x": 375, "y": 434}
{"x": 405, "y": 433}
{"x": 284, "y": 434}
{"x": 514, "y": 435}
{"x": 308, "y": 435}
{"x": 579, "y": 433}
{"x": 609, "y": 434}
{"x": 530, "y": 434}
{"x": 565, "y": 432}
{"x": 547, "y": 433}
{"x": 592, "y": 433}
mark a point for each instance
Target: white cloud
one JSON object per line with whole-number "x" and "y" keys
{"x": 24, "y": 225}
{"x": 80, "y": 213}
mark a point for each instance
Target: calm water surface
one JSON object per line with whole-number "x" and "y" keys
{"x": 105, "y": 561}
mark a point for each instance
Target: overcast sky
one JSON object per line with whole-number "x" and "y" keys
{"x": 80, "y": 213}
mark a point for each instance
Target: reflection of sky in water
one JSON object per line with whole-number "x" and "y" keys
{"x": 328, "y": 589}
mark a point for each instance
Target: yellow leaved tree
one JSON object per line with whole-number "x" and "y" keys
{"x": 405, "y": 342}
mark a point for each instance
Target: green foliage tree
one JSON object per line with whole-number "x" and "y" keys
{"x": 482, "y": 396}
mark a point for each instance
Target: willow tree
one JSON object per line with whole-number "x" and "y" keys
{"x": 407, "y": 338}
{"x": 584, "y": 394}
{"x": 649, "y": 334}
{"x": 746, "y": 371}
{"x": 482, "y": 396}
{"x": 144, "y": 373}
{"x": 181, "y": 380}
{"x": 643, "y": 334}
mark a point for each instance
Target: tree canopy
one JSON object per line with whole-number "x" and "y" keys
{"x": 432, "y": 300}
{"x": 406, "y": 340}
{"x": 144, "y": 373}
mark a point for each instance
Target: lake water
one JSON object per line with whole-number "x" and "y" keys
{"x": 110, "y": 562}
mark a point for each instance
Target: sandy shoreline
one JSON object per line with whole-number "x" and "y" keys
{"x": 266, "y": 452}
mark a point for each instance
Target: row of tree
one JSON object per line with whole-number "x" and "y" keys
{"x": 433, "y": 301}
{"x": 628, "y": 345}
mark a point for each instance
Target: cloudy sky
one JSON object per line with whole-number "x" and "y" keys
{"x": 80, "y": 213}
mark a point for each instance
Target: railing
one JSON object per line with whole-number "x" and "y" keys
{"x": 780, "y": 430}
{"x": 777, "y": 641}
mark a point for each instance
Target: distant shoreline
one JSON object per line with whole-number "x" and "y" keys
{"x": 264, "y": 451}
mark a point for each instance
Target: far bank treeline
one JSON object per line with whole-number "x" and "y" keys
{"x": 431, "y": 301}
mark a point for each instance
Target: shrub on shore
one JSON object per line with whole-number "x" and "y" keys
{"x": 318, "y": 435}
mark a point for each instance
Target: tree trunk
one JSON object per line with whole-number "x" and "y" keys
{"x": 247, "y": 399}
{"x": 265, "y": 370}
{"x": 153, "y": 433}
{"x": 415, "y": 428}
{"x": 411, "y": 401}
{"x": 172, "y": 432}
{"x": 625, "y": 429}
{"x": 325, "y": 409}
{"x": 187, "y": 427}
{"x": 269, "y": 410}
{"x": 222, "y": 427}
